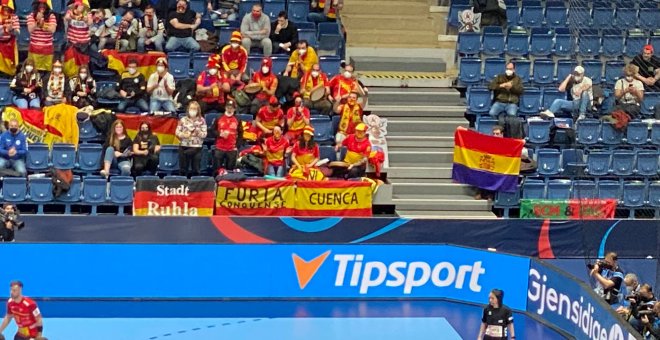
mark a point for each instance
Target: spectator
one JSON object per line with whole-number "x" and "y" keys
{"x": 255, "y": 27}
{"x": 26, "y": 86}
{"x": 161, "y": 87}
{"x": 41, "y": 24}
{"x": 234, "y": 57}
{"x": 305, "y": 152}
{"x": 152, "y": 31}
{"x": 342, "y": 85}
{"x": 10, "y": 24}
{"x": 301, "y": 60}
{"x": 350, "y": 116}
{"x": 268, "y": 117}
{"x": 146, "y": 147}
{"x": 358, "y": 149}
{"x": 312, "y": 80}
{"x": 268, "y": 82}
{"x": 125, "y": 28}
{"x": 649, "y": 69}
{"x": 275, "y": 147}
{"x": 183, "y": 22}
{"x": 283, "y": 34}
{"x": 191, "y": 131}
{"x": 97, "y": 28}
{"x": 629, "y": 92}
{"x": 493, "y": 12}
{"x": 132, "y": 88}
{"x": 222, "y": 9}
{"x": 507, "y": 89}
{"x": 324, "y": 10}
{"x": 118, "y": 150}
{"x": 297, "y": 117}
{"x": 78, "y": 22}
{"x": 580, "y": 89}
{"x": 83, "y": 88}
{"x": 211, "y": 87}
{"x": 125, "y": 6}
{"x": 228, "y": 133}
{"x": 13, "y": 148}
{"x": 56, "y": 86}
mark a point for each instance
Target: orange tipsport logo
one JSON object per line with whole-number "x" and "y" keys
{"x": 305, "y": 270}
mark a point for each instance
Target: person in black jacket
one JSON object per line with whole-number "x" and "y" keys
{"x": 145, "y": 151}
{"x": 493, "y": 12}
{"x": 283, "y": 34}
{"x": 132, "y": 88}
{"x": 497, "y": 319}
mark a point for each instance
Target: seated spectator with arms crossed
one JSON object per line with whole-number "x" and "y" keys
{"x": 183, "y": 22}
{"x": 255, "y": 28}
{"x": 507, "y": 89}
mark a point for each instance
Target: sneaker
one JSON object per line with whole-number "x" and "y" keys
{"x": 547, "y": 114}
{"x": 581, "y": 116}
{"x": 104, "y": 173}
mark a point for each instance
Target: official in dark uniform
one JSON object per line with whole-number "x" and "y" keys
{"x": 497, "y": 321}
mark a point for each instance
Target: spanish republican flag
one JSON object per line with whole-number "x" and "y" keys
{"x": 487, "y": 162}
{"x": 146, "y": 61}
{"x": 163, "y": 127}
{"x": 73, "y": 59}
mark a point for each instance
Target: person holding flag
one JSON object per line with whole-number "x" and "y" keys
{"x": 8, "y": 33}
{"x": 41, "y": 24}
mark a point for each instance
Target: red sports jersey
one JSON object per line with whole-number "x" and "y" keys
{"x": 230, "y": 125}
{"x": 275, "y": 150}
{"x": 270, "y": 119}
{"x": 298, "y": 123}
{"x": 340, "y": 86}
{"x": 217, "y": 95}
{"x": 356, "y": 149}
{"x": 25, "y": 313}
{"x": 305, "y": 155}
{"x": 234, "y": 59}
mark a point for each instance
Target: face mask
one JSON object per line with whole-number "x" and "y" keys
{"x": 160, "y": 69}
{"x": 302, "y": 51}
{"x": 347, "y": 74}
{"x": 629, "y": 79}
{"x": 192, "y": 113}
{"x": 83, "y": 75}
{"x": 13, "y": 130}
{"x": 234, "y": 45}
{"x": 132, "y": 70}
{"x": 229, "y": 114}
{"x": 256, "y": 16}
{"x": 29, "y": 68}
{"x": 57, "y": 70}
{"x": 508, "y": 73}
{"x": 577, "y": 78}
{"x": 298, "y": 103}
{"x": 213, "y": 71}
{"x": 351, "y": 101}
{"x": 145, "y": 132}
{"x": 265, "y": 69}
{"x": 273, "y": 107}
{"x": 315, "y": 74}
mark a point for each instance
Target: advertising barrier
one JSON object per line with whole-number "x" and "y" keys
{"x": 333, "y": 198}
{"x": 568, "y": 209}
{"x": 267, "y": 271}
{"x": 173, "y": 197}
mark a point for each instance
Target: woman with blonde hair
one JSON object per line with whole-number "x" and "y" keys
{"x": 191, "y": 132}
{"x": 118, "y": 150}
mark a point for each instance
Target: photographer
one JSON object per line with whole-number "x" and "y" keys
{"x": 10, "y": 222}
{"x": 608, "y": 278}
{"x": 652, "y": 323}
{"x": 641, "y": 304}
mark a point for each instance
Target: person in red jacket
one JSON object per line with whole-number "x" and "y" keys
{"x": 305, "y": 152}
{"x": 275, "y": 147}
{"x": 268, "y": 81}
{"x": 25, "y": 312}
{"x": 350, "y": 115}
{"x": 211, "y": 87}
{"x": 228, "y": 133}
{"x": 234, "y": 57}
{"x": 297, "y": 117}
{"x": 358, "y": 149}
{"x": 268, "y": 118}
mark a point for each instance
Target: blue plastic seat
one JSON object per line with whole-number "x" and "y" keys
{"x": 541, "y": 42}
{"x": 327, "y": 151}
{"x": 579, "y": 16}
{"x": 549, "y": 96}
{"x": 328, "y": 28}
{"x": 532, "y": 15}
{"x": 23, "y": 38}
{"x": 63, "y": 156}
{"x": 479, "y": 99}
{"x": 512, "y": 15}
{"x": 583, "y": 189}
{"x": 22, "y": 8}
{"x": 41, "y": 191}
{"x": 485, "y": 125}
{"x": 538, "y": 131}
{"x": 517, "y": 43}
{"x": 469, "y": 43}
{"x": 626, "y": 18}
{"x": 564, "y": 68}
{"x": 199, "y": 61}
{"x": 37, "y": 157}
{"x": 533, "y": 189}
{"x": 654, "y": 40}
{"x": 507, "y": 201}
{"x": 273, "y": 8}
{"x": 308, "y": 34}
{"x": 589, "y": 43}
{"x": 330, "y": 64}
{"x": 469, "y": 71}
{"x": 564, "y": 43}
{"x": 613, "y": 71}
{"x": 598, "y": 163}
{"x": 523, "y": 69}
{"x": 603, "y": 16}
{"x": 89, "y": 158}
{"x": 608, "y": 189}
{"x": 559, "y": 189}
{"x": 71, "y": 196}
{"x": 322, "y": 130}
{"x": 5, "y": 92}
{"x": 198, "y": 6}
{"x": 210, "y": 117}
{"x": 329, "y": 44}
{"x": 245, "y": 117}
{"x": 454, "y": 10}
{"x": 179, "y": 64}
{"x": 530, "y": 101}
{"x": 224, "y": 35}
{"x": 254, "y": 62}
{"x": 634, "y": 196}
{"x": 493, "y": 42}
{"x": 635, "y": 42}
{"x": 654, "y": 197}
{"x": 623, "y": 162}
{"x": 609, "y": 135}
{"x": 613, "y": 44}
{"x": 544, "y": 71}
{"x": 572, "y": 162}
{"x": 94, "y": 192}
{"x": 637, "y": 133}
{"x": 556, "y": 14}
{"x": 548, "y": 161}
{"x": 14, "y": 189}
{"x": 168, "y": 160}
{"x": 594, "y": 70}
{"x": 87, "y": 132}
{"x": 297, "y": 10}
{"x": 647, "y": 163}
{"x": 121, "y": 192}
{"x": 655, "y": 133}
{"x": 649, "y": 18}
{"x": 588, "y": 132}
{"x": 651, "y": 101}
{"x": 493, "y": 67}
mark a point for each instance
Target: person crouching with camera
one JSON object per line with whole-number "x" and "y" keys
{"x": 9, "y": 216}
{"x": 608, "y": 278}
{"x": 641, "y": 304}
{"x": 651, "y": 323}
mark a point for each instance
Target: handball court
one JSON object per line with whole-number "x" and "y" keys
{"x": 284, "y": 319}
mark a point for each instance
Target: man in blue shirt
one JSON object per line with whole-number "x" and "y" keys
{"x": 13, "y": 148}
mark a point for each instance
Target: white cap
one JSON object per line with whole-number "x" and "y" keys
{"x": 579, "y": 70}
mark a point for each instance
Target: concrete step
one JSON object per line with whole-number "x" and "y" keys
{"x": 440, "y": 203}
{"x": 402, "y": 173}
{"x": 357, "y": 37}
{"x": 416, "y": 158}
{"x": 400, "y": 97}
{"x": 445, "y": 111}
{"x": 420, "y": 141}
{"x": 429, "y": 148}
{"x": 415, "y": 180}
{"x": 415, "y": 22}
{"x": 396, "y": 64}
{"x": 422, "y": 188}
{"x": 458, "y": 215}
{"x": 385, "y": 7}
{"x": 417, "y": 127}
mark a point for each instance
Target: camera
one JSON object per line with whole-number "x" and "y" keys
{"x": 10, "y": 223}
{"x": 601, "y": 265}
{"x": 12, "y": 217}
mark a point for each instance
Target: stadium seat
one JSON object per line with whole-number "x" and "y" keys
{"x": 649, "y": 18}
{"x": 559, "y": 189}
{"x": 555, "y": 14}
{"x": 254, "y": 63}
{"x": 198, "y": 6}
{"x": 168, "y": 161}
{"x": 609, "y": 189}
{"x": 589, "y": 43}
{"x": 507, "y": 201}
{"x": 335, "y": 124}
{"x": 583, "y": 189}
{"x": 634, "y": 195}
{"x": 647, "y": 163}
{"x": 531, "y": 14}
{"x": 579, "y": 16}
{"x": 549, "y": 96}
{"x": 63, "y": 156}
{"x": 603, "y": 16}
{"x": 564, "y": 43}
{"x": 517, "y": 43}
{"x": 588, "y": 131}
{"x": 87, "y": 132}
{"x": 654, "y": 40}
{"x": 544, "y": 72}
{"x": 199, "y": 61}
{"x": 613, "y": 71}
{"x": 179, "y": 64}
{"x": 512, "y": 15}
{"x": 454, "y": 9}
{"x": 331, "y": 28}
{"x": 493, "y": 67}
{"x": 572, "y": 162}
{"x": 100, "y": 86}
{"x": 564, "y": 68}
{"x": 89, "y": 158}
{"x": 533, "y": 189}
{"x": 297, "y": 10}
{"x": 635, "y": 42}
{"x": 330, "y": 65}
{"x": 469, "y": 43}
{"x": 626, "y": 18}
{"x": 530, "y": 101}
{"x": 70, "y": 196}
{"x": 210, "y": 117}
{"x": 651, "y": 101}
{"x": 469, "y": 71}
{"x": 273, "y": 7}
{"x": 493, "y": 41}
{"x": 609, "y": 135}
{"x": 327, "y": 151}
{"x": 37, "y": 158}
{"x": 245, "y": 117}
{"x": 14, "y": 189}
{"x": 593, "y": 69}
{"x": 329, "y": 44}
{"x": 655, "y": 133}
{"x": 538, "y": 131}
{"x": 23, "y": 9}
{"x": 308, "y": 34}
{"x": 598, "y": 163}
{"x": 523, "y": 69}
{"x": 121, "y": 192}
{"x": 322, "y": 131}
{"x": 94, "y": 192}
{"x": 485, "y": 125}
{"x": 41, "y": 191}
{"x": 623, "y": 162}
{"x": 479, "y": 99}
{"x": 613, "y": 42}
{"x": 541, "y": 42}
{"x": 654, "y": 197}
{"x": 548, "y": 161}
{"x": 637, "y": 133}
{"x": 5, "y": 92}
{"x": 224, "y": 35}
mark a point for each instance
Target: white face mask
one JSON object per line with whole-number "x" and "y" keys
{"x": 315, "y": 74}
{"x": 160, "y": 69}
{"x": 83, "y": 75}
{"x": 213, "y": 71}
{"x": 29, "y": 68}
{"x": 132, "y": 70}
{"x": 234, "y": 45}
{"x": 265, "y": 69}
{"x": 577, "y": 78}
{"x": 192, "y": 113}
{"x": 629, "y": 79}
{"x": 229, "y": 114}
{"x": 57, "y": 70}
{"x": 302, "y": 51}
{"x": 508, "y": 73}
{"x": 347, "y": 74}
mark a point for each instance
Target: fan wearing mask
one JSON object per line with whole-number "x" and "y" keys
{"x": 311, "y": 81}
{"x": 26, "y": 86}
{"x": 161, "y": 87}
{"x": 275, "y": 148}
{"x": 507, "y": 89}
{"x": 132, "y": 89}
{"x": 13, "y": 148}
{"x": 268, "y": 117}
{"x": 228, "y": 133}
{"x": 297, "y": 117}
{"x": 255, "y": 28}
{"x": 212, "y": 85}
{"x": 580, "y": 92}
{"x": 268, "y": 82}
{"x": 234, "y": 57}
{"x": 145, "y": 151}
{"x": 56, "y": 86}
{"x": 82, "y": 88}
{"x": 342, "y": 85}
{"x": 191, "y": 132}
{"x": 301, "y": 60}
{"x": 350, "y": 115}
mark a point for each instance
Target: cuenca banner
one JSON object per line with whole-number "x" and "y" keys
{"x": 333, "y": 198}
{"x": 568, "y": 209}
{"x": 173, "y": 197}
{"x": 255, "y": 198}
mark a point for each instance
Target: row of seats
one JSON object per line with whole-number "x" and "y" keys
{"x": 599, "y": 163}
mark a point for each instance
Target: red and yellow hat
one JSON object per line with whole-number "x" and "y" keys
{"x": 361, "y": 127}
{"x": 309, "y": 130}
{"x": 236, "y": 37}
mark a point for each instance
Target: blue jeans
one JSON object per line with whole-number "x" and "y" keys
{"x": 140, "y": 104}
{"x": 156, "y": 41}
{"x": 189, "y": 44}
{"x": 17, "y": 164}
{"x": 21, "y": 103}
{"x": 499, "y": 107}
{"x": 123, "y": 166}
{"x": 578, "y": 106}
{"x": 275, "y": 170}
{"x": 161, "y": 105}
{"x": 317, "y": 17}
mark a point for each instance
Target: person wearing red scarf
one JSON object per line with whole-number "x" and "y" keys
{"x": 350, "y": 116}
{"x": 211, "y": 87}
{"x": 275, "y": 147}
{"x": 268, "y": 81}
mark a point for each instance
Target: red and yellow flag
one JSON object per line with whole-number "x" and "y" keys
{"x": 163, "y": 127}
{"x": 9, "y": 48}
{"x": 73, "y": 59}
{"x": 8, "y": 3}
{"x": 56, "y": 124}
{"x": 333, "y": 198}
{"x": 146, "y": 61}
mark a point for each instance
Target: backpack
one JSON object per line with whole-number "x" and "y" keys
{"x": 513, "y": 128}
{"x": 184, "y": 91}
{"x": 62, "y": 180}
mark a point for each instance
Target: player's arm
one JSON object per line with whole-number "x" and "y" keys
{"x": 5, "y": 322}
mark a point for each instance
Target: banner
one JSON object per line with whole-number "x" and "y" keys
{"x": 163, "y": 127}
{"x": 146, "y": 61}
{"x": 333, "y": 198}
{"x": 568, "y": 209}
{"x": 255, "y": 198}
{"x": 173, "y": 197}
{"x": 9, "y": 56}
{"x": 56, "y": 124}
{"x": 73, "y": 59}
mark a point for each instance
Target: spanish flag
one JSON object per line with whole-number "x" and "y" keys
{"x": 55, "y": 124}
{"x": 163, "y": 127}
{"x": 73, "y": 59}
{"x": 146, "y": 61}
{"x": 487, "y": 162}
{"x": 9, "y": 47}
